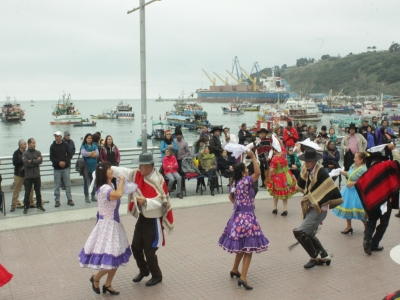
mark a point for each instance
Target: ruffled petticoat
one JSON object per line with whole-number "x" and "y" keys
{"x": 106, "y": 248}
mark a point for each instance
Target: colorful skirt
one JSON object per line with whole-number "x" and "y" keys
{"x": 351, "y": 208}
{"x": 107, "y": 247}
{"x": 243, "y": 234}
{"x": 282, "y": 185}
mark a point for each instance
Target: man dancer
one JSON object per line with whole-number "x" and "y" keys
{"x": 377, "y": 204}
{"x": 19, "y": 176}
{"x": 320, "y": 194}
{"x": 263, "y": 151}
{"x": 32, "y": 159}
{"x": 150, "y": 203}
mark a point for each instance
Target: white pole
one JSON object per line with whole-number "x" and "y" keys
{"x": 143, "y": 119}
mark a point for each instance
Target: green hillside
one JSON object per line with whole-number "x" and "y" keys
{"x": 369, "y": 73}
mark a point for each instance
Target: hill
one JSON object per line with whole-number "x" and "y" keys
{"x": 369, "y": 73}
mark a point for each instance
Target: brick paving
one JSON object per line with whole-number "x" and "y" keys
{"x": 44, "y": 261}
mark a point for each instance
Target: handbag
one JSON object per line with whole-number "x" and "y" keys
{"x": 79, "y": 163}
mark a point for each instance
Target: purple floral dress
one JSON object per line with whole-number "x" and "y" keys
{"x": 243, "y": 233}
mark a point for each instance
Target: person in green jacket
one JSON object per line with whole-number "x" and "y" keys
{"x": 293, "y": 162}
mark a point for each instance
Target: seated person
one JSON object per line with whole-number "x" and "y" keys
{"x": 170, "y": 166}
{"x": 207, "y": 166}
{"x": 331, "y": 158}
{"x": 225, "y": 165}
{"x": 293, "y": 162}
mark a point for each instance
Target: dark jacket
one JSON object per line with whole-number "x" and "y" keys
{"x": 225, "y": 163}
{"x": 32, "y": 169}
{"x": 19, "y": 169}
{"x": 60, "y": 152}
{"x": 215, "y": 146}
{"x": 243, "y": 135}
{"x": 71, "y": 146}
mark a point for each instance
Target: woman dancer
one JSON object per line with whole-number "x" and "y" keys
{"x": 283, "y": 183}
{"x": 243, "y": 234}
{"x": 90, "y": 153}
{"x": 352, "y": 208}
{"x": 107, "y": 247}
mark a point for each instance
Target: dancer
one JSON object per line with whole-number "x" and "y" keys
{"x": 352, "y": 208}
{"x": 264, "y": 153}
{"x": 151, "y": 205}
{"x": 107, "y": 247}
{"x": 320, "y": 193}
{"x": 243, "y": 234}
{"x": 283, "y": 183}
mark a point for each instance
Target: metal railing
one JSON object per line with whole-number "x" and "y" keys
{"x": 129, "y": 159}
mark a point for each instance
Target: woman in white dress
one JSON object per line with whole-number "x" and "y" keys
{"x": 107, "y": 247}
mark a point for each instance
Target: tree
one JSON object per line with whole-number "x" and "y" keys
{"x": 394, "y": 47}
{"x": 326, "y": 56}
{"x": 284, "y": 67}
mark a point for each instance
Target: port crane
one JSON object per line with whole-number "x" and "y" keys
{"x": 213, "y": 80}
{"x": 224, "y": 81}
{"x": 237, "y": 69}
{"x": 256, "y": 67}
{"x": 253, "y": 80}
{"x": 239, "y": 82}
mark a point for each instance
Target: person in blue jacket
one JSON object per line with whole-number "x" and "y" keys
{"x": 331, "y": 157}
{"x": 90, "y": 153}
{"x": 167, "y": 142}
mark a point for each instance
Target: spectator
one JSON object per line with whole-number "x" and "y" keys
{"x": 205, "y": 133}
{"x": 310, "y": 133}
{"x": 384, "y": 125}
{"x": 60, "y": 157}
{"x": 374, "y": 124}
{"x": 90, "y": 154}
{"x": 32, "y": 159}
{"x": 215, "y": 143}
{"x": 290, "y": 135}
{"x": 170, "y": 166}
{"x": 183, "y": 149}
{"x": 293, "y": 162}
{"x": 371, "y": 138}
{"x": 352, "y": 143}
{"x": 19, "y": 176}
{"x": 167, "y": 142}
{"x": 364, "y": 128}
{"x": 72, "y": 149}
{"x": 208, "y": 166}
{"x": 331, "y": 158}
{"x": 228, "y": 136}
{"x": 264, "y": 153}
{"x": 111, "y": 154}
{"x": 225, "y": 165}
{"x": 299, "y": 129}
{"x": 332, "y": 135}
{"x": 322, "y": 137}
{"x": 199, "y": 146}
{"x": 243, "y": 134}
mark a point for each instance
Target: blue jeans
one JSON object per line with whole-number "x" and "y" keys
{"x": 62, "y": 176}
{"x": 86, "y": 185}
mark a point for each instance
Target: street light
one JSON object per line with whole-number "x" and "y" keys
{"x": 143, "y": 118}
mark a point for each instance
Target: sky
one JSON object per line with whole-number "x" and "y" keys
{"x": 91, "y": 49}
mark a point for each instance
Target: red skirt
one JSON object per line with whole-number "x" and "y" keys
{"x": 5, "y": 276}
{"x": 282, "y": 185}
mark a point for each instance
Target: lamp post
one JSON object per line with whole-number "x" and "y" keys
{"x": 143, "y": 117}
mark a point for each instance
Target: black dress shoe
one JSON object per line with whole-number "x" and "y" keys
{"x": 153, "y": 281}
{"x": 139, "y": 277}
{"x": 311, "y": 264}
{"x": 244, "y": 283}
{"x": 367, "y": 247}
{"x": 107, "y": 289}
{"x": 378, "y": 248}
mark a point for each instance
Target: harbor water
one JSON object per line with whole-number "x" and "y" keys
{"x": 125, "y": 132}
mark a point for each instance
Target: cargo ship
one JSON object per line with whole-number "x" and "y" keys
{"x": 267, "y": 89}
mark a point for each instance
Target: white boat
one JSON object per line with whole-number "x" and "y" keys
{"x": 233, "y": 109}
{"x": 370, "y": 109}
{"x": 300, "y": 109}
{"x": 65, "y": 113}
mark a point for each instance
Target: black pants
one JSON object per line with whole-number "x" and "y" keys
{"x": 296, "y": 173}
{"x": 143, "y": 238}
{"x": 373, "y": 217}
{"x": 36, "y": 186}
{"x": 263, "y": 168}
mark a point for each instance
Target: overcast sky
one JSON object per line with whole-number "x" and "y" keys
{"x": 91, "y": 48}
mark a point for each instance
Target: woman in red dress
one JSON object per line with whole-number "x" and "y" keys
{"x": 282, "y": 183}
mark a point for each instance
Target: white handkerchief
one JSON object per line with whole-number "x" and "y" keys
{"x": 129, "y": 186}
{"x": 384, "y": 207}
{"x": 336, "y": 172}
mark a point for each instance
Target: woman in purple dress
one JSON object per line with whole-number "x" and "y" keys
{"x": 107, "y": 247}
{"x": 243, "y": 234}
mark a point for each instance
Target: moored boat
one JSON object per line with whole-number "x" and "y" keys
{"x": 158, "y": 128}
{"x": 65, "y": 113}
{"x": 300, "y": 109}
{"x": 233, "y": 109}
{"x": 254, "y": 107}
{"x": 12, "y": 111}
{"x": 124, "y": 111}
{"x": 85, "y": 123}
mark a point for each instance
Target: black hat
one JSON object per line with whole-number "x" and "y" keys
{"x": 310, "y": 155}
{"x": 216, "y": 128}
{"x": 352, "y": 126}
{"x": 371, "y": 155}
{"x": 263, "y": 130}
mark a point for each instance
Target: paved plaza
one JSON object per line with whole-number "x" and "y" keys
{"x": 41, "y": 250}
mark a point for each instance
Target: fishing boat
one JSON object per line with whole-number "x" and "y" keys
{"x": 357, "y": 105}
{"x": 233, "y": 109}
{"x": 12, "y": 111}
{"x": 390, "y": 104}
{"x": 107, "y": 114}
{"x": 158, "y": 128}
{"x": 336, "y": 109}
{"x": 124, "y": 111}
{"x": 32, "y": 103}
{"x": 254, "y": 107}
{"x": 85, "y": 123}
{"x": 300, "y": 109}
{"x": 158, "y": 100}
{"x": 65, "y": 113}
{"x": 334, "y": 120}
{"x": 370, "y": 109}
